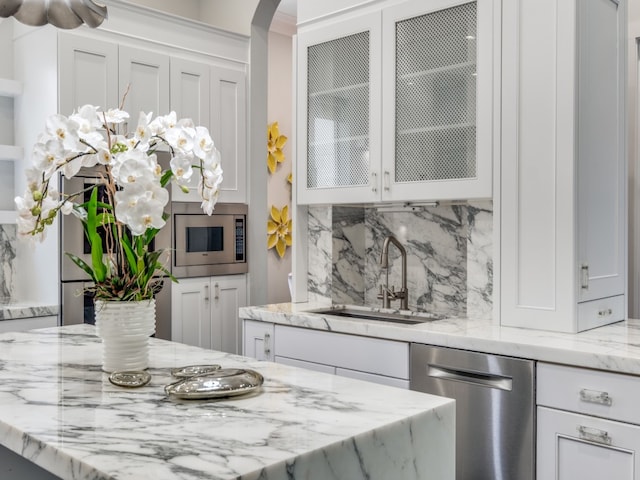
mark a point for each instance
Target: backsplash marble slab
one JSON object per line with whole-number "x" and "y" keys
{"x": 8, "y": 238}
{"x": 449, "y": 256}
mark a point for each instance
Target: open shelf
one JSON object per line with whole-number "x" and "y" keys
{"x": 436, "y": 128}
{"x": 434, "y": 71}
{"x": 335, "y": 91}
{"x": 11, "y": 152}
{"x": 7, "y": 216}
{"x": 10, "y": 88}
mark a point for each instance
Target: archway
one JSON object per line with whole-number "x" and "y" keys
{"x": 256, "y": 171}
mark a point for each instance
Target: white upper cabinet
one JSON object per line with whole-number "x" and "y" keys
{"x": 215, "y": 97}
{"x": 190, "y": 90}
{"x": 89, "y": 69}
{"x": 396, "y": 104}
{"x": 437, "y": 100}
{"x": 563, "y": 192}
{"x": 99, "y": 72}
{"x": 229, "y": 130}
{"x": 339, "y": 85}
{"x": 144, "y": 75}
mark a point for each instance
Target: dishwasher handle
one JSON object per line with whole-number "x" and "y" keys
{"x": 481, "y": 379}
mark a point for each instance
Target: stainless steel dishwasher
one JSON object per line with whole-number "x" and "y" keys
{"x": 494, "y": 409}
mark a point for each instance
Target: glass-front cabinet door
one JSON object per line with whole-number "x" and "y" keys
{"x": 437, "y": 100}
{"x": 396, "y": 104}
{"x": 338, "y": 112}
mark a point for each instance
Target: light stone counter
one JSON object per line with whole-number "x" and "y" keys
{"x": 18, "y": 310}
{"x": 58, "y": 410}
{"x": 614, "y": 347}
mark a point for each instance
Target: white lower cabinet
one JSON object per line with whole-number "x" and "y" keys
{"x": 258, "y": 340}
{"x": 204, "y": 311}
{"x": 588, "y": 424}
{"x": 371, "y": 359}
{"x": 573, "y": 446}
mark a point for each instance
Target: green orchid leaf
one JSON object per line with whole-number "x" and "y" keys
{"x": 95, "y": 241}
{"x": 166, "y": 176}
{"x": 131, "y": 257}
{"x": 82, "y": 264}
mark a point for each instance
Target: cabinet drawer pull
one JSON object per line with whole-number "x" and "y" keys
{"x": 267, "y": 346}
{"x": 594, "y": 435}
{"x": 584, "y": 277}
{"x": 594, "y": 396}
{"x": 605, "y": 313}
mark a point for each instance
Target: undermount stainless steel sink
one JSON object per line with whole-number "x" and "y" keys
{"x": 379, "y": 316}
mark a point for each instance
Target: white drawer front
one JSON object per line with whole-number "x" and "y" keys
{"x": 316, "y": 367}
{"x": 372, "y": 355}
{"x": 372, "y": 377}
{"x": 603, "y": 311}
{"x": 609, "y": 395}
{"x": 574, "y": 446}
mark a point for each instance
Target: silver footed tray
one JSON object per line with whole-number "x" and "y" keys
{"x": 225, "y": 382}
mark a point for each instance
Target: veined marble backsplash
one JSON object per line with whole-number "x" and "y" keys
{"x": 449, "y": 256}
{"x": 8, "y": 238}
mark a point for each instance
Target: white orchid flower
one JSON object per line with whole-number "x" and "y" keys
{"x": 47, "y": 157}
{"x": 163, "y": 123}
{"x": 180, "y": 138}
{"x": 143, "y": 133}
{"x": 141, "y": 206}
{"x": 203, "y": 145}
{"x": 181, "y": 166}
{"x": 65, "y": 130}
{"x": 114, "y": 115}
{"x": 87, "y": 119}
{"x": 132, "y": 165}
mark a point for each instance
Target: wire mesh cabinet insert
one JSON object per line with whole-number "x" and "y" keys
{"x": 396, "y": 105}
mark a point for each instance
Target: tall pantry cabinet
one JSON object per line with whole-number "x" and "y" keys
{"x": 563, "y": 195}
{"x": 166, "y": 62}
{"x": 395, "y": 103}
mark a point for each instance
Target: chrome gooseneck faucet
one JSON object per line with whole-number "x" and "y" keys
{"x": 387, "y": 294}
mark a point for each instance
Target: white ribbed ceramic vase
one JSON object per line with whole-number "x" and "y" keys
{"x": 125, "y": 328}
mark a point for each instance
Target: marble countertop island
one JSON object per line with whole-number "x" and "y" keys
{"x": 614, "y": 347}
{"x": 59, "y": 411}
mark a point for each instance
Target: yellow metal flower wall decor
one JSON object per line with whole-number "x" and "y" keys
{"x": 279, "y": 230}
{"x": 275, "y": 142}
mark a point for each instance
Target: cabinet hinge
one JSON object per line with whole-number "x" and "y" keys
{"x": 584, "y": 277}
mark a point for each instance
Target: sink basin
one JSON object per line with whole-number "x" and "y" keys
{"x": 379, "y": 316}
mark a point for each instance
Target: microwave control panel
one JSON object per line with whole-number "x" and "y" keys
{"x": 240, "y": 236}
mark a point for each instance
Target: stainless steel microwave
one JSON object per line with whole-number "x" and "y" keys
{"x": 208, "y": 245}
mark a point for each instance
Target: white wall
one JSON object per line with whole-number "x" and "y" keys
{"x": 182, "y": 8}
{"x": 634, "y": 159}
{"x": 310, "y": 9}
{"x": 279, "y": 108}
{"x": 234, "y": 16}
